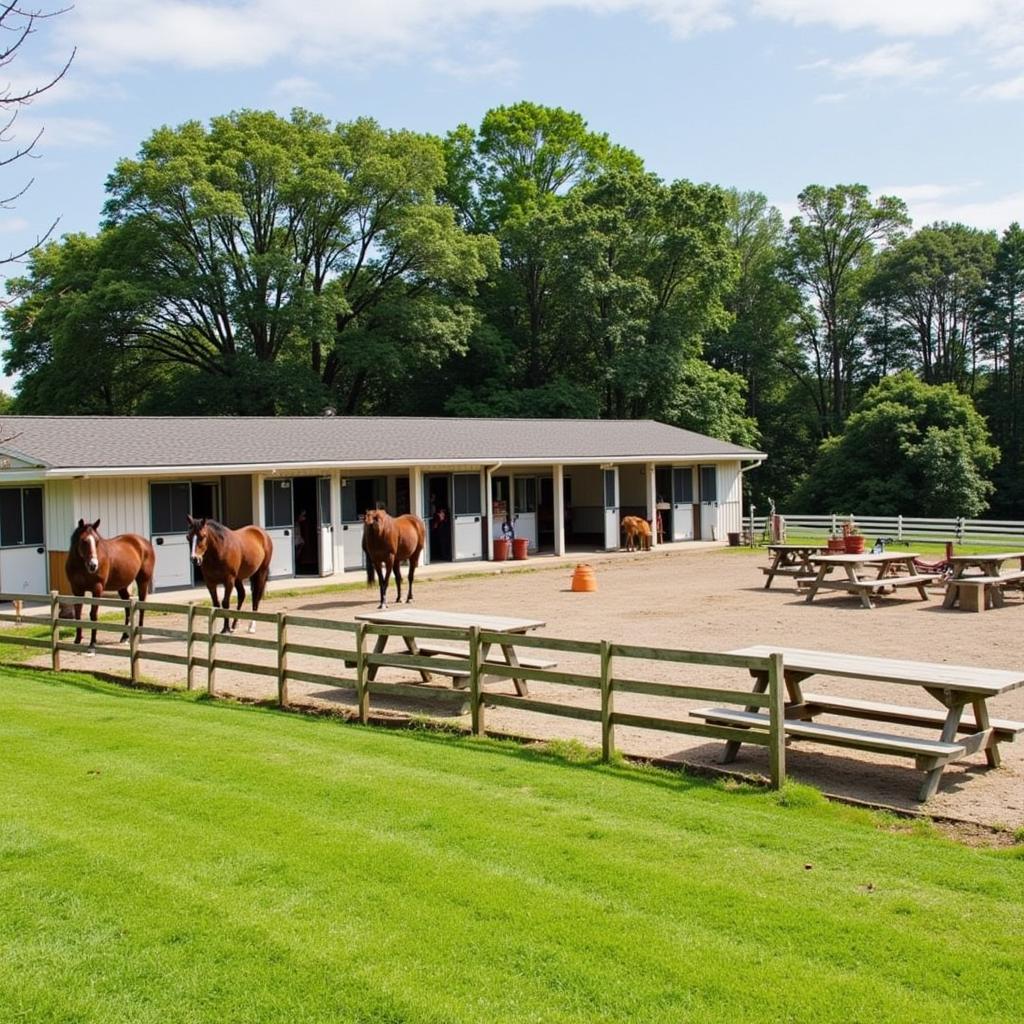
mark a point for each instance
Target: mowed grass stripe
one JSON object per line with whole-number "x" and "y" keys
{"x": 232, "y": 863}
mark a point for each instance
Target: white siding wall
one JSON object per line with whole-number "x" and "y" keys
{"x": 59, "y": 514}
{"x": 122, "y": 504}
{"x": 730, "y": 495}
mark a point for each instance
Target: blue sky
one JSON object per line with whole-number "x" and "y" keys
{"x": 922, "y": 98}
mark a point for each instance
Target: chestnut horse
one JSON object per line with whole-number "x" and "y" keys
{"x": 95, "y": 564}
{"x": 389, "y": 542}
{"x": 230, "y": 557}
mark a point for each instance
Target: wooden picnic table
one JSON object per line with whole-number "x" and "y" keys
{"x": 955, "y": 687}
{"x": 859, "y": 583}
{"x": 976, "y": 591}
{"x": 790, "y": 560}
{"x": 428, "y": 619}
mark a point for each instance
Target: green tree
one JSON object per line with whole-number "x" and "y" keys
{"x": 909, "y": 448}
{"x": 830, "y": 249}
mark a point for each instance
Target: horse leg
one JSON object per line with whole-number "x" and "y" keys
{"x": 143, "y": 587}
{"x": 125, "y": 595}
{"x": 226, "y": 605}
{"x": 382, "y": 583}
{"x": 240, "y": 591}
{"x": 414, "y": 561}
{"x": 398, "y": 580}
{"x": 257, "y": 584}
{"x": 94, "y": 614}
{"x": 78, "y": 619}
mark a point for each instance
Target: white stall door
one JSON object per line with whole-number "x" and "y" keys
{"x": 682, "y": 521}
{"x": 23, "y": 570}
{"x": 467, "y": 537}
{"x": 326, "y": 526}
{"x": 709, "y": 520}
{"x": 282, "y": 562}
{"x": 352, "y": 545}
{"x": 611, "y": 510}
{"x": 173, "y": 563}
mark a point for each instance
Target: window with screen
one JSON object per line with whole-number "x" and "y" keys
{"x": 708, "y": 483}
{"x": 466, "y": 496}
{"x": 526, "y": 494}
{"x": 682, "y": 486}
{"x": 277, "y": 498}
{"x": 21, "y": 516}
{"x": 169, "y": 504}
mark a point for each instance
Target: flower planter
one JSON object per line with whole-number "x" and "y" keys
{"x": 836, "y": 545}
{"x": 854, "y": 544}
{"x": 502, "y": 549}
{"x": 734, "y": 540}
{"x": 520, "y": 548}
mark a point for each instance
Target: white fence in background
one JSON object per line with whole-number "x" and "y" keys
{"x": 903, "y": 529}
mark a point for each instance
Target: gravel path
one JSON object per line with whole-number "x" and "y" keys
{"x": 709, "y": 600}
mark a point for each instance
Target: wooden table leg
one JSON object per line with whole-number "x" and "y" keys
{"x": 772, "y": 569}
{"x": 512, "y": 659}
{"x": 817, "y": 583}
{"x": 949, "y": 730}
{"x": 413, "y": 648}
{"x": 865, "y": 598}
{"x": 912, "y": 571}
{"x": 378, "y": 648}
{"x": 981, "y": 720}
{"x": 732, "y": 747}
{"x": 953, "y": 593}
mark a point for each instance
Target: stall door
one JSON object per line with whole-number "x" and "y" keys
{"x": 682, "y": 503}
{"x": 358, "y": 495}
{"x": 709, "y": 502}
{"x": 278, "y": 521}
{"x": 611, "y": 509}
{"x": 466, "y": 516}
{"x": 524, "y": 509}
{"x": 323, "y": 485}
{"x": 169, "y": 505}
{"x": 22, "y": 551}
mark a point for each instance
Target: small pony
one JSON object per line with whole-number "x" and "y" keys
{"x": 638, "y": 533}
{"x": 95, "y": 564}
{"x": 230, "y": 557}
{"x": 389, "y": 542}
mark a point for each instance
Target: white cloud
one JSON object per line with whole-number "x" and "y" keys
{"x": 13, "y": 225}
{"x": 62, "y": 131}
{"x": 499, "y": 67}
{"x": 297, "y": 90}
{"x": 895, "y": 17}
{"x": 250, "y": 33}
{"x": 932, "y": 202}
{"x": 1009, "y": 89}
{"x": 897, "y": 60}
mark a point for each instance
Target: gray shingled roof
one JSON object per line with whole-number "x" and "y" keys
{"x": 85, "y": 442}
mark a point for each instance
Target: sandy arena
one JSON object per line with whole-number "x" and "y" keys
{"x": 711, "y": 599}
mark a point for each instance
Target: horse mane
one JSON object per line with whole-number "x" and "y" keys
{"x": 218, "y": 529}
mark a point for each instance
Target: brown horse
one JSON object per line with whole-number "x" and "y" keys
{"x": 230, "y": 557}
{"x": 389, "y": 542}
{"x": 95, "y": 564}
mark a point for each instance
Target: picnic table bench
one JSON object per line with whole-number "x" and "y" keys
{"x": 858, "y": 583}
{"x": 506, "y": 653}
{"x": 976, "y": 592}
{"x": 790, "y": 560}
{"x": 955, "y": 687}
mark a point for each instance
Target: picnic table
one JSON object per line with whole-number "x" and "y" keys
{"x": 859, "y": 583}
{"x": 790, "y": 560}
{"x": 955, "y": 687}
{"x": 976, "y": 591}
{"x": 427, "y": 619}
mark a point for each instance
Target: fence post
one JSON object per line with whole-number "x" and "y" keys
{"x": 282, "y": 659}
{"x": 476, "y": 701}
{"x": 54, "y": 630}
{"x": 362, "y": 687}
{"x": 959, "y": 529}
{"x": 211, "y": 654}
{"x": 607, "y": 703}
{"x": 899, "y": 528}
{"x": 832, "y": 529}
{"x": 190, "y": 646}
{"x": 776, "y": 719}
{"x": 133, "y": 639}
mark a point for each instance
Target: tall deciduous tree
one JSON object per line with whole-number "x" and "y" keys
{"x": 831, "y": 244}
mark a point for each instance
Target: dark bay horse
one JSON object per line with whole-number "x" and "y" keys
{"x": 230, "y": 557}
{"x": 389, "y": 542}
{"x": 95, "y": 564}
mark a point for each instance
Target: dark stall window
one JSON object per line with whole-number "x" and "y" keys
{"x": 709, "y": 483}
{"x": 466, "y": 494}
{"x": 169, "y": 505}
{"x": 277, "y": 495}
{"x": 682, "y": 486}
{"x": 21, "y": 516}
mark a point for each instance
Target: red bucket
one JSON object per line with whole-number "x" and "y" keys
{"x": 520, "y": 548}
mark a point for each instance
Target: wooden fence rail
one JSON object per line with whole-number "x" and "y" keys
{"x": 349, "y": 664}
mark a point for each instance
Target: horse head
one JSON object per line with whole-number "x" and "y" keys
{"x": 198, "y": 538}
{"x": 376, "y": 521}
{"x": 85, "y": 542}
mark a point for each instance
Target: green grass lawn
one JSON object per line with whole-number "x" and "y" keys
{"x": 168, "y": 859}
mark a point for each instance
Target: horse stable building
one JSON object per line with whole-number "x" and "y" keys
{"x": 563, "y": 484}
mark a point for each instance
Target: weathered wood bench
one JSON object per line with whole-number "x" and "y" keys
{"x": 976, "y": 593}
{"x": 819, "y": 704}
{"x": 459, "y": 651}
{"x": 926, "y": 753}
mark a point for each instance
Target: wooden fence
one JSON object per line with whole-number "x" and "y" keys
{"x": 350, "y": 665}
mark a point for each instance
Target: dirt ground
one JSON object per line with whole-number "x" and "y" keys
{"x": 707, "y": 600}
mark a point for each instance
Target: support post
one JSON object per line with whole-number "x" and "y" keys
{"x": 282, "y": 659}
{"x": 362, "y": 689}
{"x": 416, "y": 505}
{"x": 651, "y": 488}
{"x": 776, "y": 719}
{"x": 211, "y": 654}
{"x": 476, "y": 697}
{"x": 558, "y": 494}
{"x": 607, "y": 703}
{"x": 54, "y": 630}
{"x": 190, "y": 646}
{"x": 133, "y": 639}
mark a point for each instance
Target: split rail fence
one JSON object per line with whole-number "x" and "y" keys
{"x": 348, "y": 663}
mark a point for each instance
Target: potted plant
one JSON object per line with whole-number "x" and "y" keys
{"x": 836, "y": 545}
{"x": 853, "y": 539}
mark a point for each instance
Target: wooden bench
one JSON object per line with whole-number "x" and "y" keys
{"x": 457, "y": 651}
{"x": 927, "y": 753}
{"x": 815, "y": 704}
{"x": 976, "y": 593}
